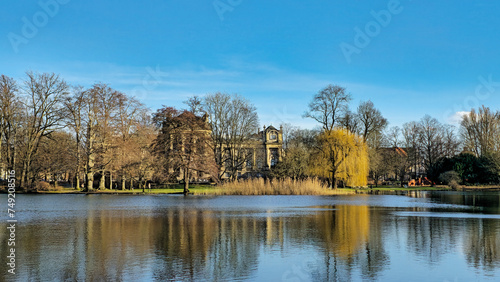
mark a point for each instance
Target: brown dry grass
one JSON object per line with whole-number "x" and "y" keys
{"x": 259, "y": 186}
{"x": 42, "y": 186}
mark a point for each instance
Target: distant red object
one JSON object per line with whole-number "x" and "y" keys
{"x": 420, "y": 182}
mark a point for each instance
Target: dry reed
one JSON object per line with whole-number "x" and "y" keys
{"x": 288, "y": 186}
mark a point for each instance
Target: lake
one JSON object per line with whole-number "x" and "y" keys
{"x": 421, "y": 236}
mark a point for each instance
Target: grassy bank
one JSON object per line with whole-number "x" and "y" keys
{"x": 437, "y": 188}
{"x": 241, "y": 187}
{"x": 166, "y": 189}
{"x": 261, "y": 187}
{"x": 414, "y": 188}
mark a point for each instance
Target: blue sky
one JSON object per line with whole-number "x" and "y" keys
{"x": 410, "y": 57}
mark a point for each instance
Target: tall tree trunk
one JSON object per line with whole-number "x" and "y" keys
{"x": 77, "y": 175}
{"x": 123, "y": 182}
{"x": 10, "y": 157}
{"x": 131, "y": 183}
{"x": 186, "y": 181}
{"x": 24, "y": 175}
{"x": 55, "y": 179}
{"x": 334, "y": 180}
{"x": 110, "y": 180}
{"x": 142, "y": 182}
{"x": 77, "y": 163}
{"x": 14, "y": 154}
{"x": 90, "y": 180}
{"x": 102, "y": 181}
{"x": 90, "y": 172}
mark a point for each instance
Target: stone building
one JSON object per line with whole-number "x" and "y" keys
{"x": 265, "y": 151}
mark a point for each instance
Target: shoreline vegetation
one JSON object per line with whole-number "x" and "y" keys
{"x": 115, "y": 141}
{"x": 260, "y": 186}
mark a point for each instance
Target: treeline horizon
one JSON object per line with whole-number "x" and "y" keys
{"x": 419, "y": 149}
{"x": 98, "y": 137}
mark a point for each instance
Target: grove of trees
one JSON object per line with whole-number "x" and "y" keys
{"x": 232, "y": 119}
{"x": 101, "y": 138}
{"x": 52, "y": 131}
{"x": 425, "y": 150}
{"x": 183, "y": 145}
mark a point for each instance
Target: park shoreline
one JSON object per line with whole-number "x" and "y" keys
{"x": 212, "y": 191}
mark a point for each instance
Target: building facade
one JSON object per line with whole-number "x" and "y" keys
{"x": 265, "y": 151}
{"x": 261, "y": 152}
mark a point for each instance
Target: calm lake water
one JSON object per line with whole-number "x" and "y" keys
{"x": 439, "y": 236}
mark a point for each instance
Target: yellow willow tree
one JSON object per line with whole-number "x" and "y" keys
{"x": 341, "y": 156}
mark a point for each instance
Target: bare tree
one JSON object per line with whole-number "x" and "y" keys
{"x": 195, "y": 105}
{"x": 376, "y": 155}
{"x": 183, "y": 142}
{"x": 143, "y": 138}
{"x": 395, "y": 158}
{"x": 393, "y": 136}
{"x": 411, "y": 135}
{"x": 328, "y": 105}
{"x": 217, "y": 106}
{"x": 232, "y": 120}
{"x": 431, "y": 141}
{"x": 371, "y": 120}
{"x": 91, "y": 124}
{"x": 451, "y": 143}
{"x": 10, "y": 120}
{"x": 287, "y": 129}
{"x": 350, "y": 121}
{"x": 75, "y": 105}
{"x": 480, "y": 131}
{"x": 131, "y": 140}
{"x": 108, "y": 100}
{"x": 54, "y": 158}
{"x": 44, "y": 94}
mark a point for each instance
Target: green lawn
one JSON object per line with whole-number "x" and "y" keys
{"x": 172, "y": 189}
{"x": 197, "y": 189}
{"x": 415, "y": 188}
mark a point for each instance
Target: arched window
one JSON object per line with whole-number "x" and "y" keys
{"x": 273, "y": 136}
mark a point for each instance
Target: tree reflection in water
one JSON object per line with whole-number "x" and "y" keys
{"x": 482, "y": 244}
{"x": 338, "y": 242}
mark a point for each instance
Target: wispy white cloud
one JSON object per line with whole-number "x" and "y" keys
{"x": 281, "y": 95}
{"x": 456, "y": 118}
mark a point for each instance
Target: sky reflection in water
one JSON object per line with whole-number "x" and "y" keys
{"x": 423, "y": 236}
